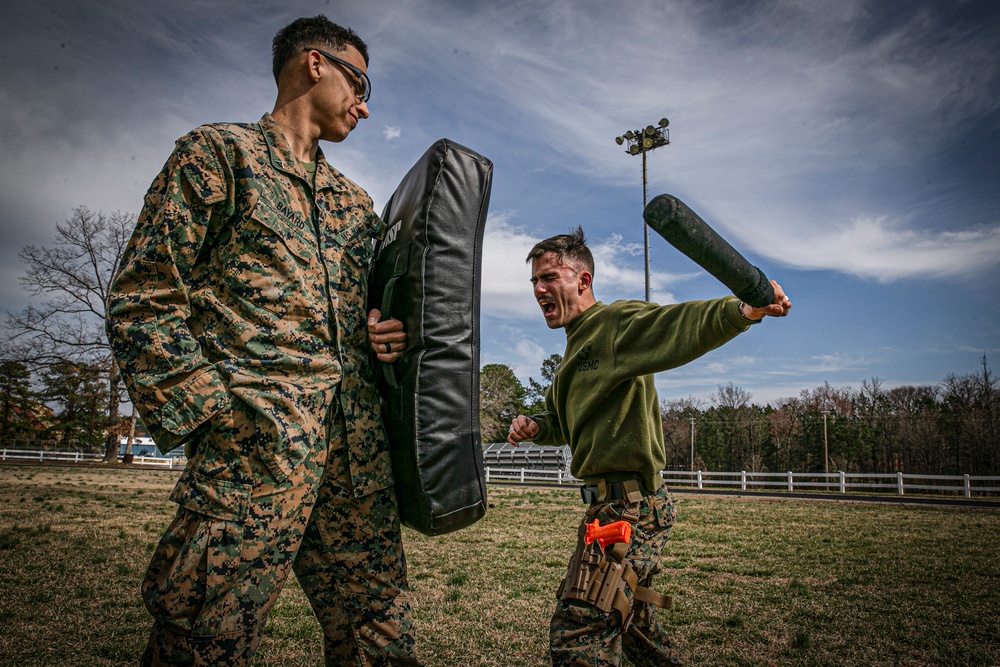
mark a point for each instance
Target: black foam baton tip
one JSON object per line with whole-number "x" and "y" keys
{"x": 685, "y": 230}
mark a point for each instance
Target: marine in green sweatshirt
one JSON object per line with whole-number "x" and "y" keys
{"x": 603, "y": 403}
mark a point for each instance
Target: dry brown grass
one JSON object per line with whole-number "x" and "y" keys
{"x": 755, "y": 581}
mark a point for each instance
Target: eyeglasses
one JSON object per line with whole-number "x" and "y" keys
{"x": 362, "y": 86}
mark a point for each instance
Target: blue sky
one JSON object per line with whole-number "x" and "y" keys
{"x": 849, "y": 148}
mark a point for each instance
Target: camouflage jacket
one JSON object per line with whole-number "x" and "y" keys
{"x": 241, "y": 283}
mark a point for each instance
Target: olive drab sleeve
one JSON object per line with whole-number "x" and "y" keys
{"x": 168, "y": 376}
{"x": 549, "y": 433}
{"x": 673, "y": 335}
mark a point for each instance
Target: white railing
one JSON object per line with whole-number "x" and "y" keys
{"x": 159, "y": 461}
{"x": 55, "y": 456}
{"x": 834, "y": 482}
{"x": 47, "y": 455}
{"x": 528, "y": 475}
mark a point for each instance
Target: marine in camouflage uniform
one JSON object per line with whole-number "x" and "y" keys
{"x": 238, "y": 320}
{"x": 603, "y": 403}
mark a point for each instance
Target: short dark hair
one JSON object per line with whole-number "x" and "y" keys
{"x": 572, "y": 247}
{"x": 315, "y": 32}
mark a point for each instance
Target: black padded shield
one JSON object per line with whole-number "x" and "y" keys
{"x": 426, "y": 274}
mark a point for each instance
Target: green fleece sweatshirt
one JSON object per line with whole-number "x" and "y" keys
{"x": 603, "y": 402}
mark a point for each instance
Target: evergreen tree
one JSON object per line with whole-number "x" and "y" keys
{"x": 501, "y": 398}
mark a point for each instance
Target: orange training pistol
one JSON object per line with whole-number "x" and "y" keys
{"x": 612, "y": 533}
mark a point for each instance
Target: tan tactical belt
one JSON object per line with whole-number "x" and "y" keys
{"x": 630, "y": 490}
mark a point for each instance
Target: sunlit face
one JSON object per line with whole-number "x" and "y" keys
{"x": 559, "y": 289}
{"x": 342, "y": 109}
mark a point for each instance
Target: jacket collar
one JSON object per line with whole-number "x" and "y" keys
{"x": 284, "y": 160}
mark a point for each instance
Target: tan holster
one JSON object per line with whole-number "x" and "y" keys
{"x": 602, "y": 579}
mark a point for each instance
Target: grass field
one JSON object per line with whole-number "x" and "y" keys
{"x": 755, "y": 581}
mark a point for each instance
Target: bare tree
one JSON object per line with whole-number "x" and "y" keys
{"x": 678, "y": 417}
{"x": 739, "y": 422}
{"x": 72, "y": 278}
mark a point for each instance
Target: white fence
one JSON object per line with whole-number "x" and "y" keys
{"x": 41, "y": 455}
{"x": 529, "y": 475}
{"x": 55, "y": 456}
{"x": 835, "y": 482}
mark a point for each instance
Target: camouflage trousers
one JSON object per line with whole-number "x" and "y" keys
{"x": 220, "y": 565}
{"x": 581, "y": 634}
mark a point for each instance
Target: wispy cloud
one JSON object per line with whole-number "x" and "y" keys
{"x": 887, "y": 249}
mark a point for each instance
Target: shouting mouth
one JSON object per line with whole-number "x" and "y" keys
{"x": 548, "y": 307}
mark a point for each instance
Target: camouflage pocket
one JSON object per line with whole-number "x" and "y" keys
{"x": 196, "y": 400}
{"x": 270, "y": 266}
{"x": 198, "y": 559}
{"x": 664, "y": 513}
{"x": 219, "y": 499}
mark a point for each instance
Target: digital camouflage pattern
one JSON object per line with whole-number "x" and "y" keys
{"x": 239, "y": 324}
{"x": 582, "y": 635}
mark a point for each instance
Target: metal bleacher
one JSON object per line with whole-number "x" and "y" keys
{"x": 528, "y": 456}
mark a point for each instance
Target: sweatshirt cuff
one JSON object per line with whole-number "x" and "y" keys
{"x": 543, "y": 428}
{"x": 735, "y": 316}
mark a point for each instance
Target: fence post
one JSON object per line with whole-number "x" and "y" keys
{"x": 41, "y": 455}
{"x": 968, "y": 487}
{"x": 899, "y": 482}
{"x": 522, "y": 475}
{"x": 487, "y": 470}
{"x": 743, "y": 480}
{"x": 699, "y": 479}
{"x": 790, "y": 487}
{"x": 843, "y": 483}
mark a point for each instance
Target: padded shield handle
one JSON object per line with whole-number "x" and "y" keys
{"x": 394, "y": 389}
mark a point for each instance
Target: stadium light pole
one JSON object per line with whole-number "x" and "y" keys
{"x": 826, "y": 451}
{"x": 640, "y": 142}
{"x": 691, "y": 419}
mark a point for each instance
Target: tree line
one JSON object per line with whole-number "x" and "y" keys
{"x": 59, "y": 386}
{"x": 952, "y": 428}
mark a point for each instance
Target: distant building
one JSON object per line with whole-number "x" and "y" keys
{"x": 144, "y": 446}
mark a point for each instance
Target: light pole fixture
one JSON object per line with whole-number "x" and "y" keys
{"x": 640, "y": 142}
